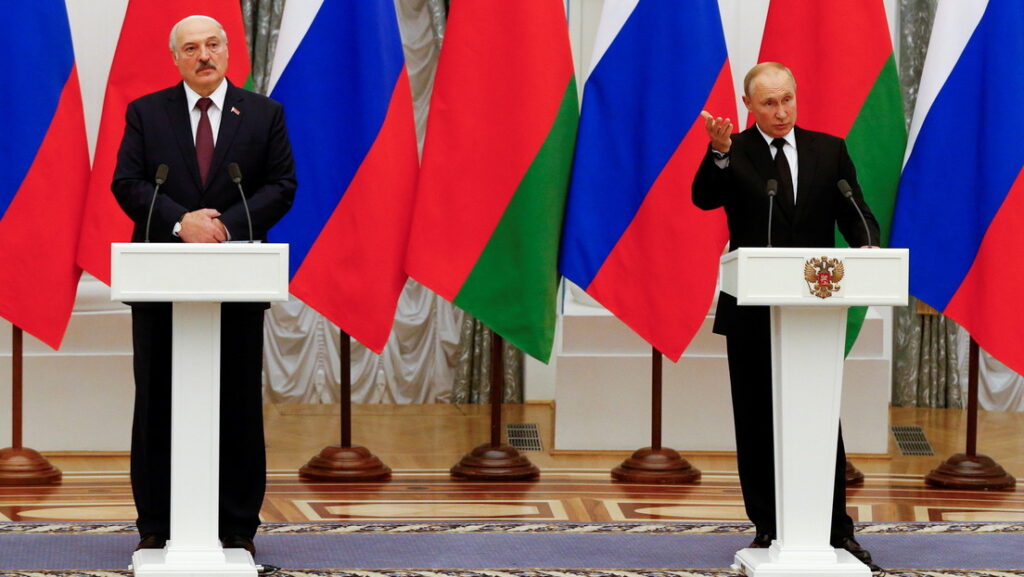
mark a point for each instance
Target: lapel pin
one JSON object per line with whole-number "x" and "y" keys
{"x": 236, "y": 111}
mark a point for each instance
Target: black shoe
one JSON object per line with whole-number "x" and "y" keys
{"x": 762, "y": 540}
{"x": 862, "y": 554}
{"x": 152, "y": 541}
{"x": 239, "y": 542}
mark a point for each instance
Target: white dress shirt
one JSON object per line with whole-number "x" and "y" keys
{"x": 214, "y": 112}
{"x": 790, "y": 154}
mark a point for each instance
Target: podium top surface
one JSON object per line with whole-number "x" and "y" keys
{"x": 817, "y": 276}
{"x": 197, "y": 272}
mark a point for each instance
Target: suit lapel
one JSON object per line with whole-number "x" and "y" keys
{"x": 178, "y": 116}
{"x": 806, "y": 152}
{"x": 230, "y": 120}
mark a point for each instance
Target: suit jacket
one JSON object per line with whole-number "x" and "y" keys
{"x": 740, "y": 188}
{"x": 252, "y": 133}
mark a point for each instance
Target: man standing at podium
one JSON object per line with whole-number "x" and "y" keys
{"x": 805, "y": 168}
{"x": 196, "y": 130}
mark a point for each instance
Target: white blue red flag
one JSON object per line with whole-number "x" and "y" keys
{"x": 340, "y": 72}
{"x": 960, "y": 208}
{"x": 44, "y": 170}
{"x": 632, "y": 237}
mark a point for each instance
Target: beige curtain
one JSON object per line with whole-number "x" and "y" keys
{"x": 262, "y": 21}
{"x": 472, "y": 378}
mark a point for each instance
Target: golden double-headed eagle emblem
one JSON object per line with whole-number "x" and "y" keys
{"x": 823, "y": 276}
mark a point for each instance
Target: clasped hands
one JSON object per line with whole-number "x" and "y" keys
{"x": 202, "y": 226}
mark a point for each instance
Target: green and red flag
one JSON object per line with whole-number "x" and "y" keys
{"x": 495, "y": 171}
{"x": 841, "y": 55}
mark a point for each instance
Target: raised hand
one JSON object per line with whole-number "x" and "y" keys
{"x": 719, "y": 130}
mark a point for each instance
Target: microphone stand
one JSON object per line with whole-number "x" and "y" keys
{"x": 852, "y": 473}
{"x": 236, "y": 177}
{"x": 845, "y": 190}
{"x": 161, "y": 177}
{"x": 772, "y": 188}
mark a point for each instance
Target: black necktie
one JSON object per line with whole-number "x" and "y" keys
{"x": 204, "y": 139}
{"x": 785, "y": 175}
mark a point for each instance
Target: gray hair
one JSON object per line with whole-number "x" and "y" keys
{"x": 748, "y": 81}
{"x": 172, "y": 43}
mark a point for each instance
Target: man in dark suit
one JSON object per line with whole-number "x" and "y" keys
{"x": 198, "y": 128}
{"x": 807, "y": 166}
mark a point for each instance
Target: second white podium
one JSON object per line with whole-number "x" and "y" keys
{"x": 196, "y": 278}
{"x": 809, "y": 291}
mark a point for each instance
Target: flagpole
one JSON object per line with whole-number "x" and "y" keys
{"x": 495, "y": 461}
{"x": 345, "y": 462}
{"x": 970, "y": 470}
{"x": 19, "y": 465}
{"x": 656, "y": 464}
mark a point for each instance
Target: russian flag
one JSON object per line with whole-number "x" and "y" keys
{"x": 340, "y": 72}
{"x": 960, "y": 208}
{"x": 632, "y": 238}
{"x": 44, "y": 170}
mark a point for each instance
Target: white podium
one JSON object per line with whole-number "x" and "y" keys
{"x": 197, "y": 278}
{"x": 809, "y": 291}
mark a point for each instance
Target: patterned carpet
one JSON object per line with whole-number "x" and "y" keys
{"x": 701, "y": 528}
{"x": 503, "y": 549}
{"x": 515, "y": 573}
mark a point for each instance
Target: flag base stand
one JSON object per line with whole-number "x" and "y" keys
{"x": 345, "y": 462}
{"x": 338, "y": 463}
{"x": 656, "y": 464}
{"x": 22, "y": 466}
{"x": 962, "y": 471}
{"x": 660, "y": 466}
{"x": 495, "y": 463}
{"x": 853, "y": 475}
{"x": 970, "y": 470}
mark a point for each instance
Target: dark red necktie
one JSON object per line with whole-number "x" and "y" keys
{"x": 204, "y": 139}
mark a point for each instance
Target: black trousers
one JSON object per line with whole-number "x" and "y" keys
{"x": 750, "y": 373}
{"x": 243, "y": 467}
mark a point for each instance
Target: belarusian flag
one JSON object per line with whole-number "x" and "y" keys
{"x": 841, "y": 54}
{"x": 142, "y": 64}
{"x": 495, "y": 169}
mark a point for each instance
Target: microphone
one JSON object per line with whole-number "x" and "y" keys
{"x": 845, "y": 190}
{"x": 160, "y": 178}
{"x": 772, "y": 188}
{"x": 236, "y": 177}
